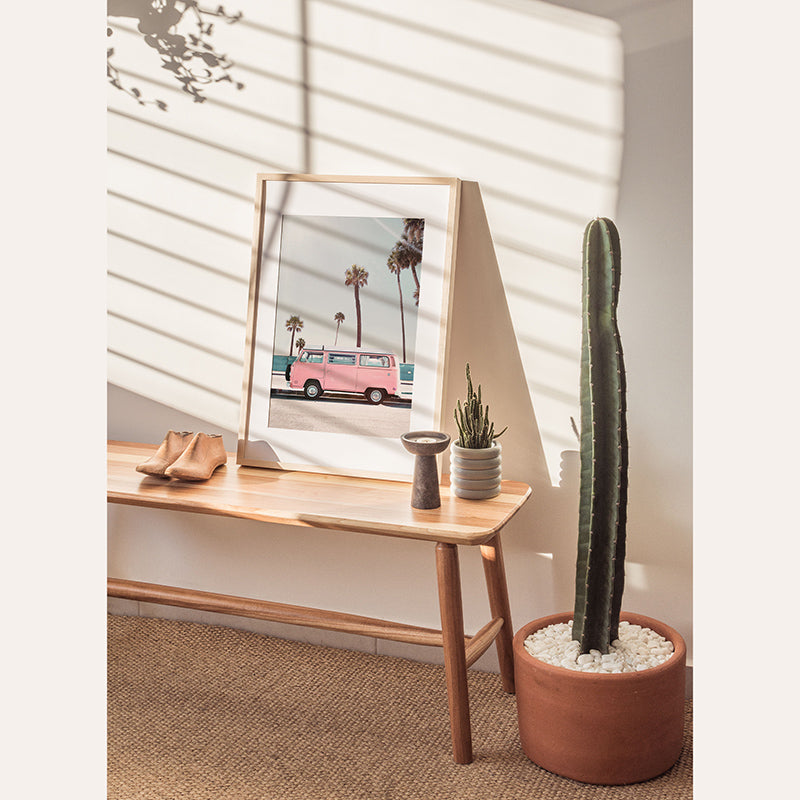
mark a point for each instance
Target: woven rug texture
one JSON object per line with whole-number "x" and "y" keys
{"x": 200, "y": 712}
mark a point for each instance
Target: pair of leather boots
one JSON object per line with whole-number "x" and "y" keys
{"x": 187, "y": 456}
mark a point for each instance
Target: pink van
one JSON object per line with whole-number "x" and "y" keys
{"x": 375, "y": 375}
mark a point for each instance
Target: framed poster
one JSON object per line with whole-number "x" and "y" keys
{"x": 350, "y": 294}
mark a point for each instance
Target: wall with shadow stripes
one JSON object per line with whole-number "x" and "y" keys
{"x": 535, "y": 102}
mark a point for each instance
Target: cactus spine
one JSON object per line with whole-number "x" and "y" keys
{"x": 600, "y": 573}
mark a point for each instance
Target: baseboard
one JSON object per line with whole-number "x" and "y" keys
{"x": 344, "y": 641}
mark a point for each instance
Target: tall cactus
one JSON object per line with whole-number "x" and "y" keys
{"x": 600, "y": 573}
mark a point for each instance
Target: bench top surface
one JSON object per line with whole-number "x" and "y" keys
{"x": 365, "y": 505}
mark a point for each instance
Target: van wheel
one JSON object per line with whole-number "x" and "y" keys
{"x": 288, "y": 371}
{"x": 375, "y": 396}
{"x": 312, "y": 390}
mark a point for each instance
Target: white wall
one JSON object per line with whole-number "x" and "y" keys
{"x": 526, "y": 98}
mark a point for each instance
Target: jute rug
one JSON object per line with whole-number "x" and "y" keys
{"x": 211, "y": 713}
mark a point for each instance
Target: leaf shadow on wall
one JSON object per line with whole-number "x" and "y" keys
{"x": 322, "y": 102}
{"x": 180, "y": 32}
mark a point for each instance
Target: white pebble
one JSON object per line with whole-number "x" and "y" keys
{"x": 635, "y": 649}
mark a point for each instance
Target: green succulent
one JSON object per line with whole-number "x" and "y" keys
{"x": 475, "y": 430}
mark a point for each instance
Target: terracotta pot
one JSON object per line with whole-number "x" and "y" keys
{"x": 604, "y": 729}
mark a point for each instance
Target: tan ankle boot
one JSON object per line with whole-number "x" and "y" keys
{"x": 198, "y": 461}
{"x": 173, "y": 445}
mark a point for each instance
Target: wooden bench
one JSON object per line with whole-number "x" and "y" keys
{"x": 348, "y": 504}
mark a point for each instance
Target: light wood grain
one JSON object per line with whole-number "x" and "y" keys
{"x": 315, "y": 500}
{"x": 495, "y": 573}
{"x": 402, "y": 179}
{"x": 252, "y": 306}
{"x": 274, "y": 612}
{"x": 455, "y": 660}
{"x": 482, "y": 640}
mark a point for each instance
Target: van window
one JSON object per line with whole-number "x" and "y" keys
{"x": 313, "y": 358}
{"x": 373, "y": 361}
{"x": 341, "y": 358}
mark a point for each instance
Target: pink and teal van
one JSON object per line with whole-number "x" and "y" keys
{"x": 374, "y": 374}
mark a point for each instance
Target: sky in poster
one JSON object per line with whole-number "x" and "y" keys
{"x": 315, "y": 253}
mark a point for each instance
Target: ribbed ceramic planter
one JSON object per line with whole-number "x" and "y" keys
{"x": 603, "y": 729}
{"x": 476, "y": 473}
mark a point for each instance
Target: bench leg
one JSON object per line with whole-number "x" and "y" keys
{"x": 455, "y": 662}
{"x": 495, "y": 572}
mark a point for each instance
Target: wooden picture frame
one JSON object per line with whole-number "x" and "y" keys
{"x": 311, "y": 233}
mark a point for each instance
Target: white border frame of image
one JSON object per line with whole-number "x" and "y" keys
{"x": 434, "y": 199}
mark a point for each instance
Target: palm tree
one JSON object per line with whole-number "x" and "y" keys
{"x": 293, "y": 324}
{"x": 338, "y": 318}
{"x": 413, "y": 236}
{"x": 397, "y": 262}
{"x": 301, "y": 343}
{"x": 356, "y": 277}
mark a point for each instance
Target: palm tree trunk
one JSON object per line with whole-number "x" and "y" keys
{"x": 402, "y": 316}
{"x": 358, "y": 316}
{"x": 291, "y": 346}
{"x": 337, "y": 334}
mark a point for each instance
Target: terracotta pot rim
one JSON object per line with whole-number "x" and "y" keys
{"x": 666, "y": 630}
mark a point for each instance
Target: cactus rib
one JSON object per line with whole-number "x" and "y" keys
{"x": 600, "y": 572}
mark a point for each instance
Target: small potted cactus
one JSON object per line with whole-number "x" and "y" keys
{"x": 476, "y": 461}
{"x": 589, "y": 707}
